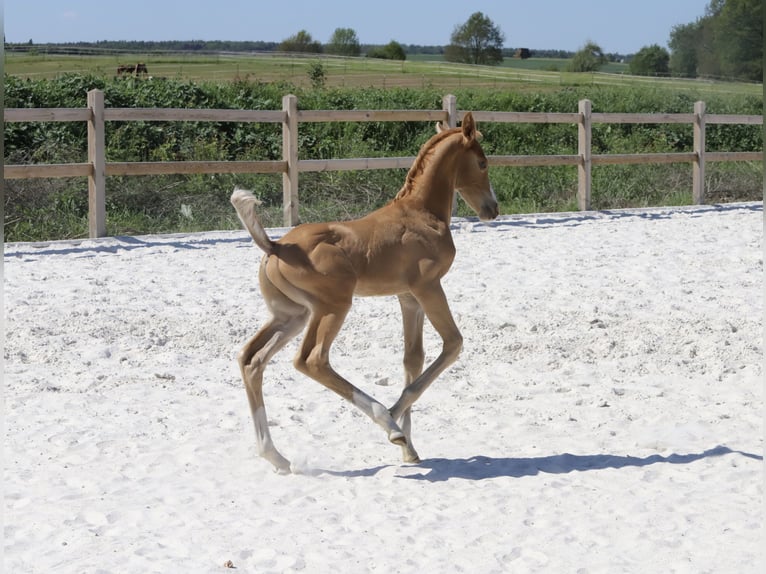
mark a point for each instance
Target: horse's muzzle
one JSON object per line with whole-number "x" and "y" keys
{"x": 489, "y": 211}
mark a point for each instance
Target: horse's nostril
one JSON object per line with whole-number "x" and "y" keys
{"x": 489, "y": 212}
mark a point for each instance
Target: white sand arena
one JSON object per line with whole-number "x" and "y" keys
{"x": 605, "y": 414}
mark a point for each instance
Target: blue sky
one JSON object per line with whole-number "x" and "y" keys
{"x": 622, "y": 27}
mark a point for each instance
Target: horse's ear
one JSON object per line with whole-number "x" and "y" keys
{"x": 439, "y": 127}
{"x": 469, "y": 128}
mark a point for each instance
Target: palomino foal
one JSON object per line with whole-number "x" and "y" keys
{"x": 309, "y": 278}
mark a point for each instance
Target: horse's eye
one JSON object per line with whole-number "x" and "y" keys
{"x": 483, "y": 164}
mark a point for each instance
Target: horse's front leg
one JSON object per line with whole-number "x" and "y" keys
{"x": 414, "y": 356}
{"x": 313, "y": 360}
{"x": 434, "y": 303}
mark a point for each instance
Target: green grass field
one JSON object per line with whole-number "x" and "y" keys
{"x": 537, "y": 74}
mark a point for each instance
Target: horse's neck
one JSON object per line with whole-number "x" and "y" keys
{"x": 433, "y": 188}
{"x": 438, "y": 194}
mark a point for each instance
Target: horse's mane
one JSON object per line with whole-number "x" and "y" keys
{"x": 425, "y": 154}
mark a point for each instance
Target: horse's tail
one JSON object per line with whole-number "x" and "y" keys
{"x": 245, "y": 203}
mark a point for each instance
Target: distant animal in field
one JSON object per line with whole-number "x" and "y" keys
{"x": 132, "y": 69}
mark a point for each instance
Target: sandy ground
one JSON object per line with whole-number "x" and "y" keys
{"x": 604, "y": 416}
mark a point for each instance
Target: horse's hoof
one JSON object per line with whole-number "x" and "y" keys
{"x": 283, "y": 470}
{"x": 397, "y": 437}
{"x": 281, "y": 464}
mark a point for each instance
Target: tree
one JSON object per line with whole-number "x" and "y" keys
{"x": 708, "y": 62}
{"x": 683, "y": 44}
{"x": 726, "y": 41}
{"x": 739, "y": 39}
{"x": 650, "y": 61}
{"x": 478, "y": 41}
{"x": 589, "y": 58}
{"x": 317, "y": 75}
{"x": 391, "y": 51}
{"x": 344, "y": 43}
{"x": 301, "y": 42}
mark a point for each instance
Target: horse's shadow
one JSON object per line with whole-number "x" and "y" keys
{"x": 484, "y": 467}
{"x": 85, "y": 248}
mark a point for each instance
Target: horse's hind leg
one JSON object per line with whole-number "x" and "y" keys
{"x": 287, "y": 321}
{"x": 414, "y": 356}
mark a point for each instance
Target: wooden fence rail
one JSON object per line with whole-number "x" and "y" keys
{"x": 97, "y": 168}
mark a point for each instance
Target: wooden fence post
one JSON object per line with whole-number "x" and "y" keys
{"x": 97, "y": 160}
{"x": 449, "y": 105}
{"x": 290, "y": 155}
{"x": 698, "y": 165}
{"x": 584, "y": 151}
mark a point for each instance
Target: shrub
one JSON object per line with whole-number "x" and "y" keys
{"x": 48, "y": 209}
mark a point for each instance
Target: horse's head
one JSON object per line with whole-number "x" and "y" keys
{"x": 472, "y": 175}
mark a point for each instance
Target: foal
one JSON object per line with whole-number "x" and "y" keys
{"x": 309, "y": 278}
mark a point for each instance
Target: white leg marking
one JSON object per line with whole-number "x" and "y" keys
{"x": 265, "y": 446}
{"x": 380, "y": 415}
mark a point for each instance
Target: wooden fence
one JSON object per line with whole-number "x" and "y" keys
{"x": 97, "y": 169}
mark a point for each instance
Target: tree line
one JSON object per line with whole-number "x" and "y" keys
{"x": 727, "y": 41}
{"x": 304, "y": 43}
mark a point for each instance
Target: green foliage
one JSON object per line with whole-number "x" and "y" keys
{"x": 589, "y": 58}
{"x": 477, "y": 41}
{"x": 650, "y": 61}
{"x": 344, "y": 42}
{"x": 391, "y": 51}
{"x": 42, "y": 209}
{"x": 683, "y": 49}
{"x": 301, "y": 42}
{"x": 726, "y": 41}
{"x": 739, "y": 39}
{"x": 317, "y": 74}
